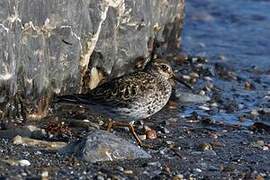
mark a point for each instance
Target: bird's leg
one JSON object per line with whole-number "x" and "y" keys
{"x": 132, "y": 130}
{"x": 130, "y": 126}
{"x": 110, "y": 125}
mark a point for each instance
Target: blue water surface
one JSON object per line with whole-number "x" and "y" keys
{"x": 236, "y": 31}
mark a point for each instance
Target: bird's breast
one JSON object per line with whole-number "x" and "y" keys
{"x": 150, "y": 102}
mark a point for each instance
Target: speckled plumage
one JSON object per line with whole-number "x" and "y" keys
{"x": 131, "y": 97}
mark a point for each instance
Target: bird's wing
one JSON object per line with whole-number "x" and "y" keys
{"x": 123, "y": 89}
{"x": 118, "y": 92}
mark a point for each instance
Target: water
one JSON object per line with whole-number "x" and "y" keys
{"x": 236, "y": 31}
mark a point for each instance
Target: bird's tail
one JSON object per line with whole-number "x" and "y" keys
{"x": 73, "y": 99}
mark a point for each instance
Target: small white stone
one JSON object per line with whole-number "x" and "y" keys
{"x": 202, "y": 92}
{"x": 24, "y": 162}
{"x": 128, "y": 172}
{"x": 194, "y": 75}
{"x": 169, "y": 142}
{"x": 142, "y": 137}
{"x": 186, "y": 77}
{"x": 198, "y": 170}
{"x": 204, "y": 108}
{"x": 44, "y": 174}
{"x": 260, "y": 143}
{"x": 254, "y": 112}
{"x": 214, "y": 104}
{"x": 178, "y": 177}
{"x": 207, "y": 78}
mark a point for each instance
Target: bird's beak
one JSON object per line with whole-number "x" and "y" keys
{"x": 182, "y": 82}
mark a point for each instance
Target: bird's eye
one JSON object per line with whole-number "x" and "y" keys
{"x": 164, "y": 67}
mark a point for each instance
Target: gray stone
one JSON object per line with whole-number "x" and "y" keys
{"x": 185, "y": 97}
{"x": 104, "y": 146}
{"x": 26, "y": 131}
{"x": 69, "y": 46}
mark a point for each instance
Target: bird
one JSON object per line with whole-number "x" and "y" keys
{"x": 131, "y": 97}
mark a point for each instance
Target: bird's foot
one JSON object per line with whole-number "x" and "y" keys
{"x": 113, "y": 124}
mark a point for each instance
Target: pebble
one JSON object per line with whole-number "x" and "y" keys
{"x": 207, "y": 78}
{"x": 151, "y": 134}
{"x": 204, "y": 108}
{"x": 44, "y": 175}
{"x": 178, "y": 177}
{"x": 249, "y": 86}
{"x": 186, "y": 77}
{"x": 172, "y": 104}
{"x": 163, "y": 151}
{"x": 143, "y": 137}
{"x": 260, "y": 143}
{"x": 210, "y": 153}
{"x": 265, "y": 110}
{"x": 38, "y": 153}
{"x": 214, "y": 104}
{"x": 196, "y": 152}
{"x": 254, "y": 112}
{"x": 202, "y": 93}
{"x": 205, "y": 146}
{"x": 24, "y": 162}
{"x": 213, "y": 168}
{"x": 156, "y": 164}
{"x": 164, "y": 130}
{"x": 259, "y": 177}
{"x": 120, "y": 168}
{"x": 186, "y": 97}
{"x": 128, "y": 172}
{"x": 169, "y": 142}
{"x": 99, "y": 177}
{"x": 194, "y": 75}
{"x": 198, "y": 170}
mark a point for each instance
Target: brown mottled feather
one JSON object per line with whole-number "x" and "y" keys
{"x": 131, "y": 97}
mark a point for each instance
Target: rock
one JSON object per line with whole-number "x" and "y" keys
{"x": 70, "y": 46}
{"x": 47, "y": 145}
{"x": 25, "y": 131}
{"x": 185, "y": 97}
{"x": 12, "y": 132}
{"x": 101, "y": 145}
{"x": 12, "y": 162}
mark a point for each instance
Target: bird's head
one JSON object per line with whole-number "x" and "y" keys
{"x": 162, "y": 68}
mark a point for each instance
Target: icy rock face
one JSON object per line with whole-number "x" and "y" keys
{"x": 104, "y": 146}
{"x": 67, "y": 46}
